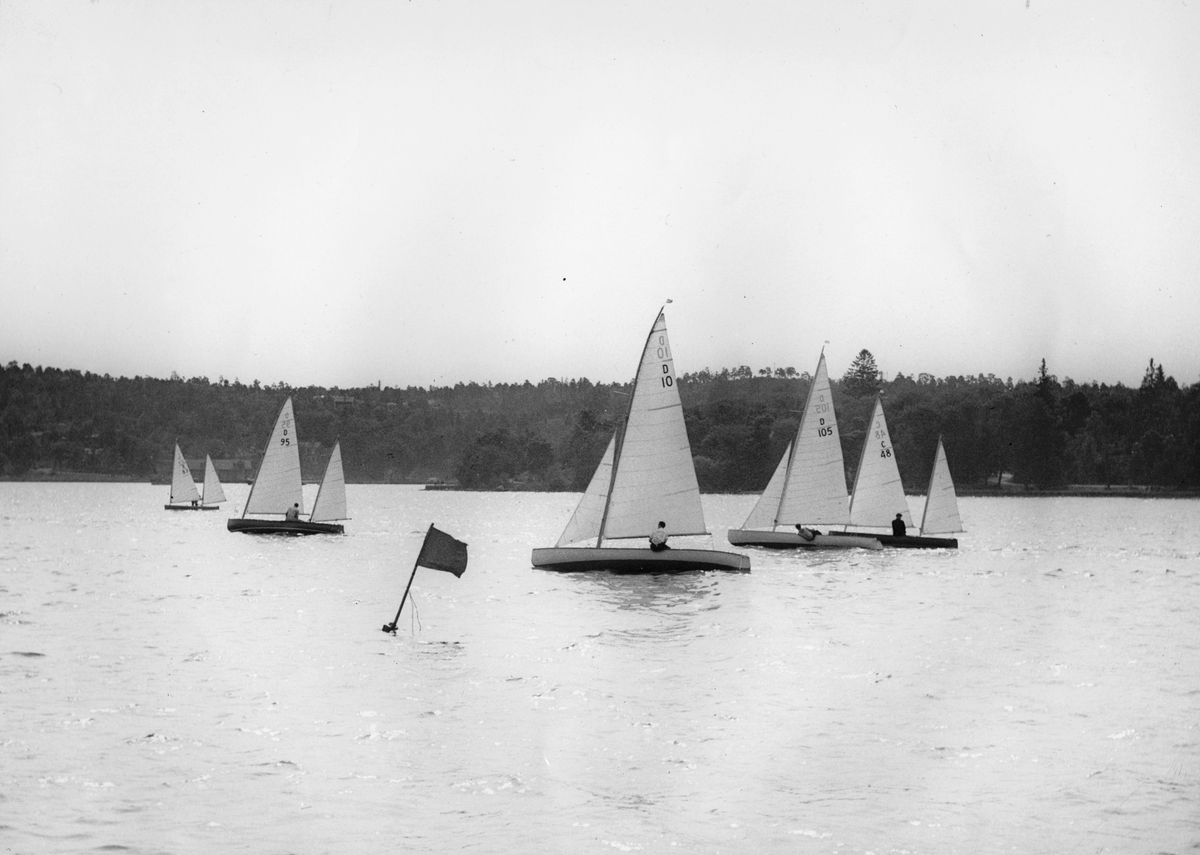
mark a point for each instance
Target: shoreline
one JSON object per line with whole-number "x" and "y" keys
{"x": 1006, "y": 491}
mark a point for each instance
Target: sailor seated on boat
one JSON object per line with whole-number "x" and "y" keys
{"x": 806, "y": 533}
{"x": 898, "y": 527}
{"x": 658, "y": 538}
{"x": 293, "y": 513}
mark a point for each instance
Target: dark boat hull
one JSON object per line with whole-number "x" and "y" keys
{"x": 908, "y": 541}
{"x": 573, "y": 559}
{"x": 192, "y": 507}
{"x": 792, "y": 540}
{"x": 287, "y": 527}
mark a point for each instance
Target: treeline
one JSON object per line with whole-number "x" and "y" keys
{"x": 1042, "y": 433}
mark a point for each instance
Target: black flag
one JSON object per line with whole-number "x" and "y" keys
{"x": 440, "y": 551}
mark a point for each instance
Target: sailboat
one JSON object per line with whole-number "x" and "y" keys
{"x": 183, "y": 488}
{"x": 277, "y": 487}
{"x": 879, "y": 493}
{"x": 809, "y": 485}
{"x": 645, "y": 477}
{"x": 941, "y": 502}
{"x": 214, "y": 494}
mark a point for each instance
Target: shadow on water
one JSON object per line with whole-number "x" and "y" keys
{"x": 657, "y": 593}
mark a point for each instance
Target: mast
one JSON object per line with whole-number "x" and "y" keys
{"x": 266, "y": 449}
{"x": 612, "y": 478}
{"x": 796, "y": 442}
{"x": 862, "y": 458}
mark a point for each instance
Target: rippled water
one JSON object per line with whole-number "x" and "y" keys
{"x": 167, "y": 686}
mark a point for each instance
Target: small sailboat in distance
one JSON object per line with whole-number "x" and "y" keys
{"x": 214, "y": 493}
{"x": 879, "y": 493}
{"x": 277, "y": 488}
{"x": 183, "y": 488}
{"x": 646, "y": 477}
{"x": 808, "y": 487}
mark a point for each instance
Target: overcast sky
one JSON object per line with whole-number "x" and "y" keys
{"x": 425, "y": 192}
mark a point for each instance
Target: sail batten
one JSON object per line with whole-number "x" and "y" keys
{"x": 183, "y": 488}
{"x": 878, "y": 491}
{"x": 277, "y": 485}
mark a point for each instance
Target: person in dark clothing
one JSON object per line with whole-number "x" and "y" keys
{"x": 898, "y": 527}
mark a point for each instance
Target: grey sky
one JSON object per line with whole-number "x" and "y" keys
{"x": 428, "y": 192}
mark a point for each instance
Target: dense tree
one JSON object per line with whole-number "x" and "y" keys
{"x": 862, "y": 378}
{"x": 550, "y": 435}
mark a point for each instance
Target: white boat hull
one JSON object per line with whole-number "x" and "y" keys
{"x": 792, "y": 540}
{"x": 575, "y": 559}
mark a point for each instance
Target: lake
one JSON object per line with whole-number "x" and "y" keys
{"x": 170, "y": 687}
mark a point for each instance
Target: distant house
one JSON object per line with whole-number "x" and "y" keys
{"x": 231, "y": 469}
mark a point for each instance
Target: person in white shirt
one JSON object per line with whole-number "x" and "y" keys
{"x": 658, "y": 539}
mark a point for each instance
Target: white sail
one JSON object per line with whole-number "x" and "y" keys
{"x": 585, "y": 522}
{"x": 941, "y": 503}
{"x": 878, "y": 491}
{"x": 814, "y": 490}
{"x": 277, "y": 485}
{"x": 183, "y": 488}
{"x": 331, "y": 495}
{"x": 653, "y": 477}
{"x": 763, "y": 515}
{"x": 213, "y": 492}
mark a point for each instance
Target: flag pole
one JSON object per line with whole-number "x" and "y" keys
{"x": 391, "y": 627}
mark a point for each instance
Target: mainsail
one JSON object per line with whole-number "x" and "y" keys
{"x": 214, "y": 494}
{"x": 277, "y": 485}
{"x": 646, "y": 474}
{"x": 653, "y": 475}
{"x": 811, "y": 477}
{"x": 183, "y": 488}
{"x": 941, "y": 502}
{"x": 878, "y": 491}
{"x": 331, "y": 495}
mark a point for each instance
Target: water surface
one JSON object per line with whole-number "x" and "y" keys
{"x": 169, "y": 687}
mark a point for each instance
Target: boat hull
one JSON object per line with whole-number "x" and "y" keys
{"x": 192, "y": 507}
{"x": 792, "y": 540}
{"x": 287, "y": 527}
{"x": 908, "y": 541}
{"x": 575, "y": 559}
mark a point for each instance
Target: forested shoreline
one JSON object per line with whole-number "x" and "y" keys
{"x": 1040, "y": 434}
